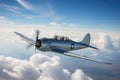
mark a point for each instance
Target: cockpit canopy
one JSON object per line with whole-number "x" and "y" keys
{"x": 60, "y": 37}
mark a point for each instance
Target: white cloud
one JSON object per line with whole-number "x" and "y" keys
{"x": 41, "y": 11}
{"x": 50, "y": 69}
{"x": 15, "y": 69}
{"x": 9, "y": 7}
{"x": 47, "y": 11}
{"x": 79, "y": 75}
{"x": 53, "y": 24}
{"x": 108, "y": 43}
{"x": 15, "y": 10}
{"x": 4, "y": 22}
{"x": 25, "y": 4}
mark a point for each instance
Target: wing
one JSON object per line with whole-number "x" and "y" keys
{"x": 30, "y": 41}
{"x": 84, "y": 57}
{"x": 76, "y": 55}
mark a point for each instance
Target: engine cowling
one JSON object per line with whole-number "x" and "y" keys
{"x": 38, "y": 43}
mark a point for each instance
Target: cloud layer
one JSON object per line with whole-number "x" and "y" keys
{"x": 109, "y": 43}
{"x": 38, "y": 67}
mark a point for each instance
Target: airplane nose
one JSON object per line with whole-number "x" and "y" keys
{"x": 38, "y": 43}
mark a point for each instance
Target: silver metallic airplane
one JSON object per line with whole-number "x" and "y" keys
{"x": 60, "y": 44}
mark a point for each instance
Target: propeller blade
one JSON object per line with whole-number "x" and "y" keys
{"x": 29, "y": 46}
{"x": 37, "y": 34}
{"x": 37, "y": 39}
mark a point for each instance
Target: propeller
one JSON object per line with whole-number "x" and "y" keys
{"x": 37, "y": 43}
{"x": 37, "y": 34}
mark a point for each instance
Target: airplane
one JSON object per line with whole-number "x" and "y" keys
{"x": 60, "y": 44}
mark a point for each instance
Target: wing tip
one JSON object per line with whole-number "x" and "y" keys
{"x": 108, "y": 63}
{"x": 16, "y": 32}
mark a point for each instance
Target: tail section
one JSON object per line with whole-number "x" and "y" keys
{"x": 86, "y": 39}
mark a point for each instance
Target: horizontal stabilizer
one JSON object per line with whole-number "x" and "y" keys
{"x": 89, "y": 46}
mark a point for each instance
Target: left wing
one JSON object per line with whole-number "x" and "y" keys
{"x": 30, "y": 41}
{"x": 77, "y": 55}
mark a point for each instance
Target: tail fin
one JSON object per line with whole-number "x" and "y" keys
{"x": 86, "y": 39}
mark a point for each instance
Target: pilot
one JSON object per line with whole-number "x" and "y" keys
{"x": 55, "y": 37}
{"x": 62, "y": 38}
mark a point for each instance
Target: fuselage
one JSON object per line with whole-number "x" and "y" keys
{"x": 67, "y": 45}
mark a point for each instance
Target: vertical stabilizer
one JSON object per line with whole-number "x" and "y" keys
{"x": 86, "y": 39}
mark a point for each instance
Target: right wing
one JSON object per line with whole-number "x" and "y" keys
{"x": 54, "y": 49}
{"x": 28, "y": 40}
{"x": 84, "y": 57}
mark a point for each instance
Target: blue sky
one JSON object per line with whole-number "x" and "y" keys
{"x": 99, "y": 14}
